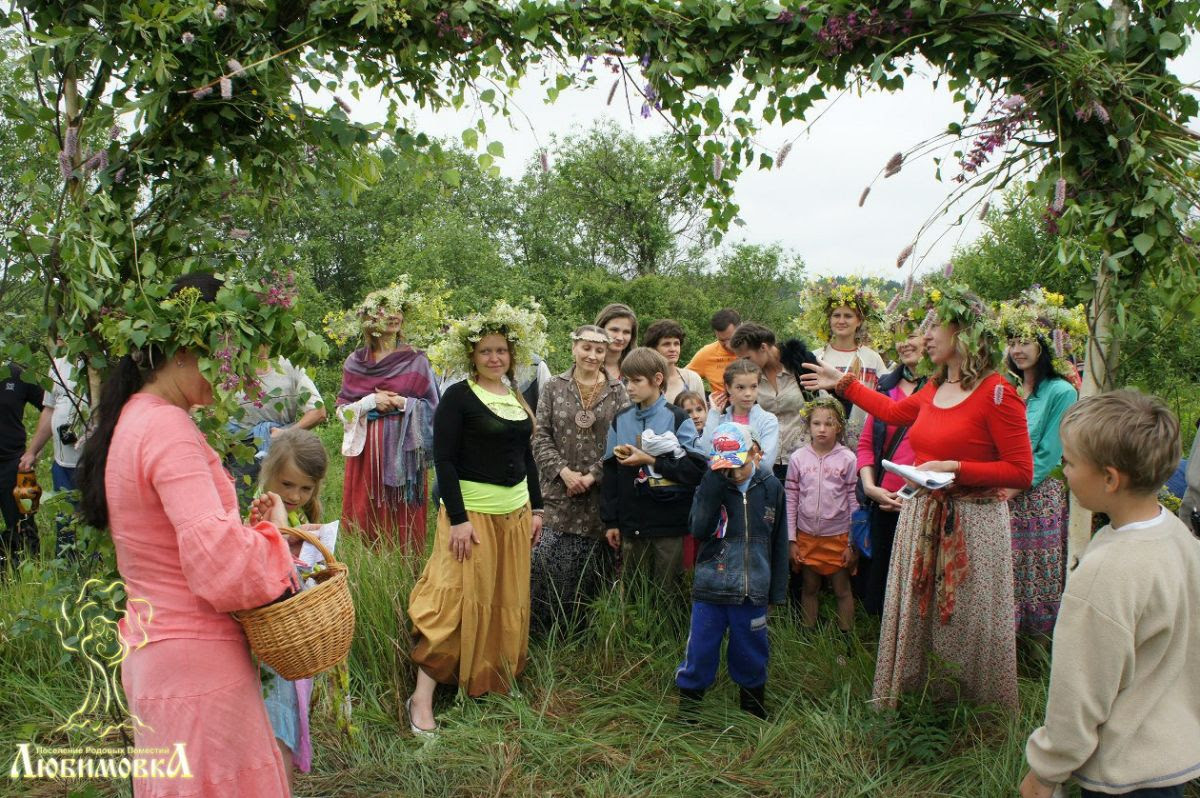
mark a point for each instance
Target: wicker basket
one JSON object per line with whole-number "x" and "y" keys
{"x": 309, "y": 632}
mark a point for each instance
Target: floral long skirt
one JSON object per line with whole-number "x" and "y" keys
{"x": 1039, "y": 556}
{"x": 971, "y": 656}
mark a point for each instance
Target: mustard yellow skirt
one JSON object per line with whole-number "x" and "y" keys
{"x": 471, "y": 618}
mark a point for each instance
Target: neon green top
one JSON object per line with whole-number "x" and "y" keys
{"x": 484, "y": 497}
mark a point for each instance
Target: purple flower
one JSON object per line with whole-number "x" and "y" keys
{"x": 587, "y": 63}
{"x": 71, "y": 146}
{"x": 645, "y": 60}
{"x": 983, "y": 212}
{"x": 645, "y": 110}
{"x": 226, "y": 88}
{"x": 893, "y": 165}
{"x": 238, "y": 234}
{"x": 929, "y": 320}
{"x": 202, "y": 92}
{"x": 1060, "y": 196}
{"x": 908, "y": 286}
{"x": 904, "y": 255}
{"x": 613, "y": 91}
{"x": 220, "y": 11}
{"x": 1014, "y": 102}
{"x": 948, "y": 269}
{"x": 114, "y": 132}
{"x": 1059, "y": 344}
{"x": 998, "y": 393}
{"x": 544, "y": 160}
{"x": 188, "y": 37}
{"x": 863, "y": 197}
{"x": 345, "y": 106}
{"x": 97, "y": 162}
{"x": 64, "y": 165}
{"x": 785, "y": 17}
{"x": 119, "y": 177}
{"x": 1100, "y": 111}
{"x": 891, "y": 307}
{"x": 783, "y": 154}
{"x": 235, "y": 66}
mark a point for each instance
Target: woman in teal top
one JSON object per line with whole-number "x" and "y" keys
{"x": 1038, "y": 515}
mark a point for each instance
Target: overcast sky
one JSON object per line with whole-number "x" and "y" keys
{"x": 810, "y": 205}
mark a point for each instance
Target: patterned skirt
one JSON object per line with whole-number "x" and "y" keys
{"x": 567, "y": 572}
{"x": 1039, "y": 555}
{"x": 974, "y": 654}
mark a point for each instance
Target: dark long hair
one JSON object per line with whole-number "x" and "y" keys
{"x": 129, "y": 376}
{"x": 1043, "y": 369}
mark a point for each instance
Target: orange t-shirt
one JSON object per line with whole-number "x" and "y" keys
{"x": 710, "y": 362}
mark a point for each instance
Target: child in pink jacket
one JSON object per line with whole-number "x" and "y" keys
{"x": 820, "y": 498}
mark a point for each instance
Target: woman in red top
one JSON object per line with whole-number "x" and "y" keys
{"x": 950, "y": 585}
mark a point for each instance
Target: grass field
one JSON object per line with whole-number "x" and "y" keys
{"x": 594, "y": 715}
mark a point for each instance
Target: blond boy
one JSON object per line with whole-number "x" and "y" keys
{"x": 1123, "y": 716}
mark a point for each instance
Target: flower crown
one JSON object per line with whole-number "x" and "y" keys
{"x": 947, "y": 302}
{"x": 524, "y": 328}
{"x": 424, "y": 312}
{"x": 822, "y": 297}
{"x": 1041, "y": 315}
{"x": 826, "y": 403}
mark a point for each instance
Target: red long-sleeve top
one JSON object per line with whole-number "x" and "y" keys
{"x": 986, "y": 432}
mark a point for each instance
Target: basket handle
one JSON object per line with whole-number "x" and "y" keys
{"x": 313, "y": 539}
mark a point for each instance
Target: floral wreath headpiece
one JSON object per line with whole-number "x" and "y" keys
{"x": 524, "y": 328}
{"x": 822, "y": 297}
{"x": 604, "y": 338}
{"x": 948, "y": 302}
{"x": 424, "y": 313}
{"x": 1041, "y": 315}
{"x": 827, "y": 403}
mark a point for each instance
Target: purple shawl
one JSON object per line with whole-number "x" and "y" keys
{"x": 407, "y": 437}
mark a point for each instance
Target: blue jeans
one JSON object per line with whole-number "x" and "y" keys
{"x": 746, "y": 654}
{"x": 63, "y": 478}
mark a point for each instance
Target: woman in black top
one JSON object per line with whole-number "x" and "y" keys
{"x": 470, "y": 608}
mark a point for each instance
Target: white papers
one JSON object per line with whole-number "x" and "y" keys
{"x": 933, "y": 480}
{"x": 310, "y": 554}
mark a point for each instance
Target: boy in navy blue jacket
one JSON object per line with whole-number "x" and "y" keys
{"x": 739, "y": 517}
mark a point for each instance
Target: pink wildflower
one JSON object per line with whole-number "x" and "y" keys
{"x": 1014, "y": 102}
{"x": 903, "y": 256}
{"x": 71, "y": 146}
{"x": 1059, "y": 343}
{"x": 226, "y": 88}
{"x": 613, "y": 91}
{"x": 98, "y": 162}
{"x": 948, "y": 269}
{"x": 220, "y": 12}
{"x": 202, "y": 92}
{"x": 187, "y": 38}
{"x": 544, "y": 160}
{"x": 238, "y": 234}
{"x": 64, "y": 165}
{"x": 893, "y": 165}
{"x": 998, "y": 394}
{"x": 235, "y": 66}
{"x": 891, "y": 306}
{"x": 345, "y": 106}
{"x": 717, "y": 167}
{"x": 929, "y": 320}
{"x": 908, "y": 286}
{"x": 783, "y": 154}
{"x": 1060, "y": 196}
{"x": 863, "y": 197}
{"x": 119, "y": 177}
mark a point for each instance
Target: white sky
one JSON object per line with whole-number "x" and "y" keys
{"x": 810, "y": 205}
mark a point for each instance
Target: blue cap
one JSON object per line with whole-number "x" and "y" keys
{"x": 730, "y": 446}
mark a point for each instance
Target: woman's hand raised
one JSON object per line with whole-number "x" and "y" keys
{"x": 821, "y": 377}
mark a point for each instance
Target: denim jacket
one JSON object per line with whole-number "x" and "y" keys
{"x": 735, "y": 565}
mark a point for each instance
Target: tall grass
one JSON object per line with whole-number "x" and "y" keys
{"x": 594, "y": 714}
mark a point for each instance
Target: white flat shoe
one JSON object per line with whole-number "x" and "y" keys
{"x": 413, "y": 727}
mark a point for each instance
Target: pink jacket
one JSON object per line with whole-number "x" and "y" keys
{"x": 820, "y": 491}
{"x": 185, "y": 555}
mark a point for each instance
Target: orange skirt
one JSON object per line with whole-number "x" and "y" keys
{"x": 823, "y": 553}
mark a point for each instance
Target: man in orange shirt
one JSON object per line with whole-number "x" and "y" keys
{"x": 710, "y": 361}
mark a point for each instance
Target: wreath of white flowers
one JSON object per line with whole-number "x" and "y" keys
{"x": 524, "y": 328}
{"x": 424, "y": 312}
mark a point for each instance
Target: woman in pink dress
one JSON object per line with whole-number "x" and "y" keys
{"x": 188, "y": 561}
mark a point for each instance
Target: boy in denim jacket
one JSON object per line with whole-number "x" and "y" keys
{"x": 739, "y": 518}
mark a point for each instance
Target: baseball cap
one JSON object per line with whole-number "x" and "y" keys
{"x": 730, "y": 446}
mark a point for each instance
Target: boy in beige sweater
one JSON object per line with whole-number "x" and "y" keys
{"x": 1123, "y": 716}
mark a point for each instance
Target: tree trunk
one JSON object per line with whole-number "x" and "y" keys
{"x": 1100, "y": 368}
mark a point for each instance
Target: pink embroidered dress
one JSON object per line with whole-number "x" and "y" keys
{"x": 188, "y": 561}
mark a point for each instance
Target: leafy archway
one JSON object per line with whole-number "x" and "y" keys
{"x": 157, "y": 112}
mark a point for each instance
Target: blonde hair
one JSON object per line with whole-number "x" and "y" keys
{"x": 833, "y": 406}
{"x": 973, "y": 365}
{"x": 305, "y": 452}
{"x": 683, "y": 397}
{"x": 1133, "y": 432}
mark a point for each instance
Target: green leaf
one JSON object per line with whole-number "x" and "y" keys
{"x": 451, "y": 177}
{"x": 470, "y": 138}
{"x": 496, "y": 149}
{"x": 1169, "y": 41}
{"x": 1144, "y": 242}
